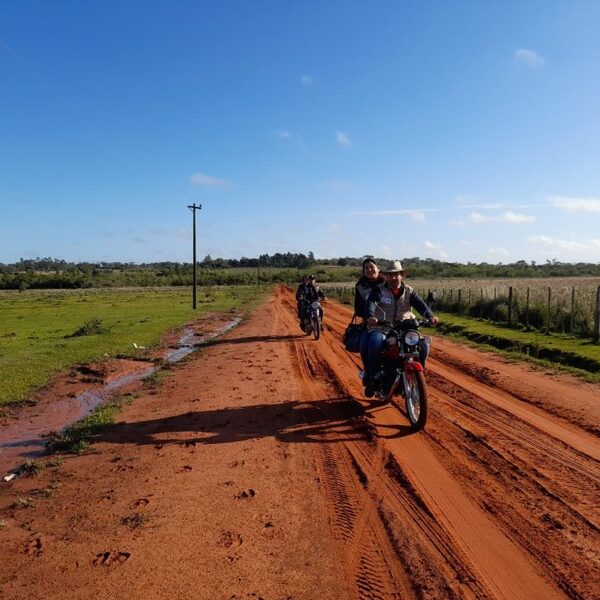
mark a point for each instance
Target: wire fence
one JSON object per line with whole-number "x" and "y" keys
{"x": 547, "y": 309}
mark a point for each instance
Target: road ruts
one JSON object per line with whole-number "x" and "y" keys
{"x": 496, "y": 499}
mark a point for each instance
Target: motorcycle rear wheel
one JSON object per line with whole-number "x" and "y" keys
{"x": 416, "y": 399}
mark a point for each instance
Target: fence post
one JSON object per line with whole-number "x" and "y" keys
{"x": 481, "y": 304}
{"x": 572, "y": 320}
{"x": 548, "y": 310}
{"x": 527, "y": 310}
{"x": 510, "y": 304}
{"x": 459, "y": 300}
{"x": 597, "y": 323}
{"x": 469, "y": 301}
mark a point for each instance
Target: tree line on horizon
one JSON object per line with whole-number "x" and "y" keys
{"x": 53, "y": 273}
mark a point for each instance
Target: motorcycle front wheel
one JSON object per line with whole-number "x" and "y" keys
{"x": 316, "y": 324}
{"x": 416, "y": 399}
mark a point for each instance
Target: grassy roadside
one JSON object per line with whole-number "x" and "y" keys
{"x": 43, "y": 332}
{"x": 580, "y": 357}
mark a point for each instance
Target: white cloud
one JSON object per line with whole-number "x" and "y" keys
{"x": 343, "y": 139}
{"x": 529, "y": 58}
{"x": 431, "y": 246}
{"x": 506, "y": 217}
{"x": 496, "y": 206}
{"x": 415, "y": 215}
{"x": 288, "y": 136}
{"x": 385, "y": 252}
{"x": 306, "y": 80}
{"x": 208, "y": 180}
{"x": 573, "y": 205}
{"x": 498, "y": 252}
{"x": 435, "y": 248}
{"x": 578, "y": 246}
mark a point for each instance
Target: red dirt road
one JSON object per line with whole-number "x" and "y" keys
{"x": 257, "y": 471}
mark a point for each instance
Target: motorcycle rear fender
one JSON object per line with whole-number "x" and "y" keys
{"x": 412, "y": 365}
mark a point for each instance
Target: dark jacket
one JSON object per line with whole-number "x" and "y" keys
{"x": 313, "y": 293}
{"x": 384, "y": 306}
{"x": 362, "y": 290}
{"x": 301, "y": 292}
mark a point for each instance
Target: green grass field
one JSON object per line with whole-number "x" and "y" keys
{"x": 37, "y": 327}
{"x": 555, "y": 350}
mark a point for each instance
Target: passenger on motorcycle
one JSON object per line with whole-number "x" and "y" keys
{"x": 312, "y": 293}
{"x": 392, "y": 302}
{"x": 371, "y": 278}
{"x": 300, "y": 293}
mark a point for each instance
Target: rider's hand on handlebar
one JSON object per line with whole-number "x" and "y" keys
{"x": 372, "y": 321}
{"x": 434, "y": 321}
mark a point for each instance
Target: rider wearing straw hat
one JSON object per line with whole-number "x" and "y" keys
{"x": 392, "y": 302}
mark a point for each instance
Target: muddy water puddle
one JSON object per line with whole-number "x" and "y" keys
{"x": 25, "y": 437}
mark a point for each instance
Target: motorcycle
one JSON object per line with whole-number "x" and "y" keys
{"x": 311, "y": 322}
{"x": 400, "y": 371}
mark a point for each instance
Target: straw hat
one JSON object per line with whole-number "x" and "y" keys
{"x": 394, "y": 266}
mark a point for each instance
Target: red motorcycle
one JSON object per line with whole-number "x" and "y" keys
{"x": 400, "y": 371}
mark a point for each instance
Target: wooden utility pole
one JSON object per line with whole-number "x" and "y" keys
{"x": 194, "y": 207}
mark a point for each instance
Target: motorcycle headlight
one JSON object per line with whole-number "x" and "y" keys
{"x": 315, "y": 305}
{"x": 411, "y": 338}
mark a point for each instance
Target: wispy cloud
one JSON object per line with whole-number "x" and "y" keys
{"x": 343, "y": 139}
{"x": 506, "y": 217}
{"x": 577, "y": 246}
{"x": 307, "y": 80}
{"x": 529, "y": 58}
{"x": 208, "y": 180}
{"x": 574, "y": 205}
{"x": 436, "y": 249}
{"x": 287, "y": 136}
{"x": 497, "y": 206}
{"x": 385, "y": 252}
{"x": 498, "y": 252}
{"x": 416, "y": 215}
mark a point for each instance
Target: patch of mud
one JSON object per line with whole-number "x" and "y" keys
{"x": 74, "y": 395}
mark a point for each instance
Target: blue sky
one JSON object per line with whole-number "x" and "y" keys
{"x": 467, "y": 131}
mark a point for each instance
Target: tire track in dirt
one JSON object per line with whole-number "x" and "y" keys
{"x": 369, "y": 557}
{"x": 572, "y": 437}
{"x": 507, "y": 564}
{"x": 366, "y": 520}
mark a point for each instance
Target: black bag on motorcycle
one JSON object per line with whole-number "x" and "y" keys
{"x": 351, "y": 337}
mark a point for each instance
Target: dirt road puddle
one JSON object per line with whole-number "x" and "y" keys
{"x": 24, "y": 438}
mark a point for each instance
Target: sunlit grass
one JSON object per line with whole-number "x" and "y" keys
{"x": 37, "y": 327}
